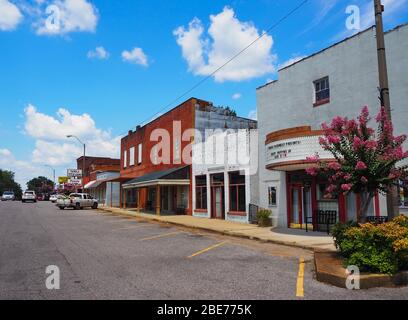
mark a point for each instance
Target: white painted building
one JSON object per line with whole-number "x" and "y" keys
{"x": 224, "y": 176}
{"x": 338, "y": 80}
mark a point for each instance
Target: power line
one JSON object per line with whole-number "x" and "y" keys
{"x": 199, "y": 83}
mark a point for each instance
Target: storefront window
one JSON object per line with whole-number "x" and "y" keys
{"x": 201, "y": 192}
{"x": 237, "y": 192}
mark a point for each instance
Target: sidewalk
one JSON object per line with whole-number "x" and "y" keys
{"x": 284, "y": 236}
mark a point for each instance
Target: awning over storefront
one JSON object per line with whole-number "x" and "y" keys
{"x": 175, "y": 176}
{"x": 94, "y": 184}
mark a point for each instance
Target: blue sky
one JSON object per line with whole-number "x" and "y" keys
{"x": 113, "y": 64}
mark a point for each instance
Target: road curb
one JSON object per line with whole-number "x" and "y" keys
{"x": 225, "y": 232}
{"x": 329, "y": 269}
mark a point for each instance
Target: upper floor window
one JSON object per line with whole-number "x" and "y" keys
{"x": 322, "y": 91}
{"x": 139, "y": 154}
{"x": 132, "y": 156}
{"x": 125, "y": 159}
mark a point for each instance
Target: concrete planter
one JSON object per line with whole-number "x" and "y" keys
{"x": 329, "y": 269}
{"x": 264, "y": 222}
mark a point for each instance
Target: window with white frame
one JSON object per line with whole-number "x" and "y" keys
{"x": 139, "y": 154}
{"x": 125, "y": 159}
{"x": 132, "y": 156}
{"x": 272, "y": 200}
{"x": 322, "y": 90}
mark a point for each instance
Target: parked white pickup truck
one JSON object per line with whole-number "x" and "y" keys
{"x": 77, "y": 201}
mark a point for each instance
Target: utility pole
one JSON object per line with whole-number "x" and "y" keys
{"x": 392, "y": 195}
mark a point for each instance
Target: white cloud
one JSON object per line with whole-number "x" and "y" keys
{"x": 98, "y": 53}
{"x": 290, "y": 61}
{"x": 24, "y": 170}
{"x": 236, "y": 96}
{"x": 65, "y": 16}
{"x": 226, "y": 37}
{"x": 135, "y": 56}
{"x": 5, "y": 153}
{"x": 10, "y": 15}
{"x": 253, "y": 114}
{"x": 52, "y": 146}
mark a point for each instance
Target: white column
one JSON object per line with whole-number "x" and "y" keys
{"x": 247, "y": 193}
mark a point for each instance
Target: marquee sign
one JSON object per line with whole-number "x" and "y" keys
{"x": 294, "y": 149}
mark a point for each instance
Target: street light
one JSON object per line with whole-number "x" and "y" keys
{"x": 53, "y": 170}
{"x": 83, "y": 162}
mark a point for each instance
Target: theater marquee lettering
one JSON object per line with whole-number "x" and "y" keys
{"x": 295, "y": 149}
{"x": 282, "y": 150}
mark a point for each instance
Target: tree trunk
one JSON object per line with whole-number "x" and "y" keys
{"x": 362, "y": 216}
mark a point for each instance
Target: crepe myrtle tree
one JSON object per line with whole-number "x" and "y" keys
{"x": 365, "y": 160}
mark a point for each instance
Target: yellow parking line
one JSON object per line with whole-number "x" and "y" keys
{"x": 207, "y": 249}
{"x": 300, "y": 292}
{"x": 160, "y": 236}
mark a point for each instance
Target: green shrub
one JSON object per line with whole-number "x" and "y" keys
{"x": 374, "y": 248}
{"x": 264, "y": 214}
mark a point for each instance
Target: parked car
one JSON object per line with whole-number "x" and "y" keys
{"x": 8, "y": 196}
{"x": 29, "y": 196}
{"x": 54, "y": 198}
{"x": 40, "y": 197}
{"x": 77, "y": 201}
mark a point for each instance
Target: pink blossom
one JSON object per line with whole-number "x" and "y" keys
{"x": 313, "y": 158}
{"x": 346, "y": 187}
{"x": 333, "y": 139}
{"x": 363, "y": 118}
{"x": 331, "y": 188}
{"x": 361, "y": 165}
{"x": 347, "y": 177}
{"x": 364, "y": 180}
{"x": 334, "y": 166}
{"x": 371, "y": 144}
{"x": 312, "y": 171}
{"x": 357, "y": 143}
{"x": 337, "y": 123}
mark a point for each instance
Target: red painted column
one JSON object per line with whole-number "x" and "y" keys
{"x": 342, "y": 208}
{"x": 314, "y": 202}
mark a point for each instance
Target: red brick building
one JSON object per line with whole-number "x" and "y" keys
{"x": 165, "y": 187}
{"x": 93, "y": 164}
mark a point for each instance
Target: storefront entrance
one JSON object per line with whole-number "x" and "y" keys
{"x": 217, "y": 196}
{"x": 307, "y": 206}
{"x": 300, "y": 206}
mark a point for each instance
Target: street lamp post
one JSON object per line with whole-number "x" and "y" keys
{"x": 53, "y": 171}
{"x": 83, "y": 160}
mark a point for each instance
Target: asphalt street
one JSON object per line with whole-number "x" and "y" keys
{"x": 102, "y": 256}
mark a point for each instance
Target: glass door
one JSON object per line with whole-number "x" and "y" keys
{"x": 295, "y": 206}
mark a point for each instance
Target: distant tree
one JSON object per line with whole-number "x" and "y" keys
{"x": 7, "y": 183}
{"x": 40, "y": 185}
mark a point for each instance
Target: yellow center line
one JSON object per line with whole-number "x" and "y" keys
{"x": 300, "y": 292}
{"x": 160, "y": 236}
{"x": 207, "y": 249}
